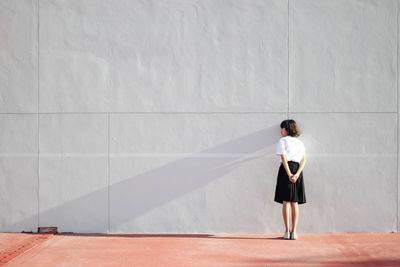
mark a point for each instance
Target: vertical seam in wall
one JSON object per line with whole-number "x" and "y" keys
{"x": 37, "y": 121}
{"x": 108, "y": 172}
{"x": 397, "y": 114}
{"x": 288, "y": 59}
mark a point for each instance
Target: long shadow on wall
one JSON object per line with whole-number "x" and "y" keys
{"x": 139, "y": 194}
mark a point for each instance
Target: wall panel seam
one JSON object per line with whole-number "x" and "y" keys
{"x": 288, "y": 59}
{"x": 38, "y": 117}
{"x": 397, "y": 87}
{"x": 108, "y": 173}
{"x": 205, "y": 113}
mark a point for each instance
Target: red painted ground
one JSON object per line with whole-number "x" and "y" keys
{"x": 350, "y": 249}
{"x": 14, "y": 244}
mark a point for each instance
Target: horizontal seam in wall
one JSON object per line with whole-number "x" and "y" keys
{"x": 245, "y": 112}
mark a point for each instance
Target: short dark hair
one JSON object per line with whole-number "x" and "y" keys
{"x": 291, "y": 127}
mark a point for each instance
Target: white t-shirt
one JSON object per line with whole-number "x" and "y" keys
{"x": 292, "y": 147}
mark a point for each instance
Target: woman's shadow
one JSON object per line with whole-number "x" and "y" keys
{"x": 139, "y": 194}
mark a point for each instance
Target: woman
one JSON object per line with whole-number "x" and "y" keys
{"x": 290, "y": 185}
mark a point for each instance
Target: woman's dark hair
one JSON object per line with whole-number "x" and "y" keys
{"x": 291, "y": 127}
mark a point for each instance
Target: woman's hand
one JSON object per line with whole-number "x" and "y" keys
{"x": 293, "y": 178}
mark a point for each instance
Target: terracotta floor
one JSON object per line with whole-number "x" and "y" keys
{"x": 350, "y": 249}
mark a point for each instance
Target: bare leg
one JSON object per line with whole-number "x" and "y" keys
{"x": 286, "y": 214}
{"x": 295, "y": 215}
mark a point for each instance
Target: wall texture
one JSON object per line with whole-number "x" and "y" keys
{"x": 163, "y": 116}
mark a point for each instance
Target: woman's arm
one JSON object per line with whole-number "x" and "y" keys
{"x": 286, "y": 165}
{"x": 302, "y": 164}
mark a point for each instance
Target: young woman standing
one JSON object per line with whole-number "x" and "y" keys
{"x": 289, "y": 189}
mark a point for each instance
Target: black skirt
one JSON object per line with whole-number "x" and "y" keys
{"x": 286, "y": 190}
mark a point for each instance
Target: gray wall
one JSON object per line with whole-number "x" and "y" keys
{"x": 163, "y": 116}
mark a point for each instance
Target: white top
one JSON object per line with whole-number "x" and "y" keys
{"x": 292, "y": 147}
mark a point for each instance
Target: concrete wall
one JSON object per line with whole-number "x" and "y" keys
{"x": 163, "y": 116}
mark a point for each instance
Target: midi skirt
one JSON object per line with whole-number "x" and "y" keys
{"x": 286, "y": 190}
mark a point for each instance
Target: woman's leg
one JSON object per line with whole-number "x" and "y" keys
{"x": 295, "y": 215}
{"x": 286, "y": 214}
